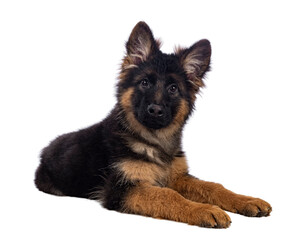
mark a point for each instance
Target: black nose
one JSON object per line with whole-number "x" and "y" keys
{"x": 155, "y": 110}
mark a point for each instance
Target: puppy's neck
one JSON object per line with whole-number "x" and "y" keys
{"x": 168, "y": 138}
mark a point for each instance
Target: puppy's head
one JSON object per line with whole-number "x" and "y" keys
{"x": 158, "y": 90}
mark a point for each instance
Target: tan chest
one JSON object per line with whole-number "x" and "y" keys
{"x": 152, "y": 173}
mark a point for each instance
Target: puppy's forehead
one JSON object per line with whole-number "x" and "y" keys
{"x": 162, "y": 65}
{"x": 165, "y": 63}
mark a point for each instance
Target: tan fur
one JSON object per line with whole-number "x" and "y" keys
{"x": 165, "y": 203}
{"x": 213, "y": 193}
{"x": 126, "y": 98}
{"x": 140, "y": 46}
{"x": 143, "y": 49}
{"x": 178, "y": 49}
{"x": 179, "y": 167}
{"x": 175, "y": 175}
{"x": 191, "y": 63}
{"x": 145, "y": 149}
{"x": 181, "y": 114}
{"x": 129, "y": 65}
{"x": 142, "y": 53}
{"x": 138, "y": 170}
{"x": 153, "y": 173}
{"x": 159, "y": 137}
{"x": 134, "y": 125}
{"x": 166, "y": 190}
{"x": 184, "y": 198}
{"x": 192, "y": 66}
{"x": 158, "y": 94}
{"x": 151, "y": 199}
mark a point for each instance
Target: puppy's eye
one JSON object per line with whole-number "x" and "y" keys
{"x": 145, "y": 83}
{"x": 173, "y": 89}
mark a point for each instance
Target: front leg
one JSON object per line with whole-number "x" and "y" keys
{"x": 165, "y": 203}
{"x": 138, "y": 188}
{"x": 213, "y": 193}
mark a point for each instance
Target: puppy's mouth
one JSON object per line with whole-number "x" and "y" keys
{"x": 154, "y": 123}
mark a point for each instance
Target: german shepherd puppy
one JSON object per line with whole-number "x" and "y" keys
{"x": 133, "y": 161}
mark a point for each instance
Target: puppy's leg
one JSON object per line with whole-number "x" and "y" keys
{"x": 213, "y": 193}
{"x": 166, "y": 203}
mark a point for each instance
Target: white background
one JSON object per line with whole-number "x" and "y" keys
{"x": 59, "y": 62}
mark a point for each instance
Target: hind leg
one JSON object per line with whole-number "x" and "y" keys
{"x": 44, "y": 183}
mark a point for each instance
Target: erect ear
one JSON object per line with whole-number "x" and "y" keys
{"x": 141, "y": 45}
{"x": 195, "y": 62}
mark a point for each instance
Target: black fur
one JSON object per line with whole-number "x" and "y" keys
{"x": 82, "y": 163}
{"x": 159, "y": 71}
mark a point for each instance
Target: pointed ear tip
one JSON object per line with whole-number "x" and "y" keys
{"x": 205, "y": 45}
{"x": 204, "y": 42}
{"x": 141, "y": 24}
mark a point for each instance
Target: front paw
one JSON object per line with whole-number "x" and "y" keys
{"x": 210, "y": 216}
{"x": 252, "y": 207}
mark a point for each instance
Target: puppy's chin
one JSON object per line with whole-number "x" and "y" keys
{"x": 153, "y": 123}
